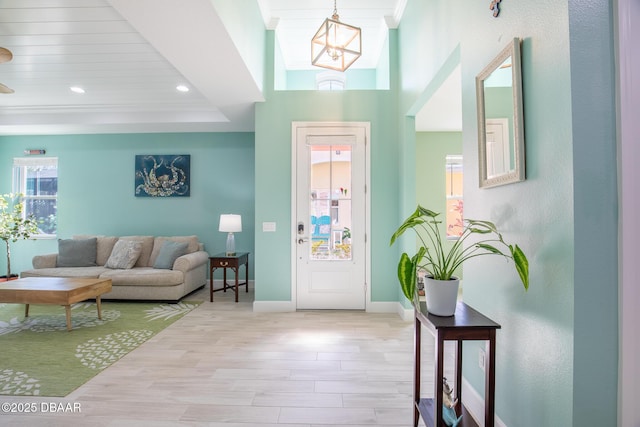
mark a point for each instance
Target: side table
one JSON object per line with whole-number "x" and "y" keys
{"x": 234, "y": 262}
{"x": 466, "y": 324}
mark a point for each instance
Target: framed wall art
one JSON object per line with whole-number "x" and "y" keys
{"x": 163, "y": 175}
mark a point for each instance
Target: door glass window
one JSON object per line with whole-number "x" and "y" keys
{"x": 330, "y": 202}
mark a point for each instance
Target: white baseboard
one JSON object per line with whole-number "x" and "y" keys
{"x": 475, "y": 404}
{"x": 406, "y": 314}
{"x": 389, "y": 307}
{"x": 373, "y": 307}
{"x": 273, "y": 306}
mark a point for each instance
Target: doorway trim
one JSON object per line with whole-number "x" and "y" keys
{"x": 367, "y": 201}
{"x": 627, "y": 18}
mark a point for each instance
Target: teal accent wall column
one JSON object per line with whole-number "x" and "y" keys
{"x": 407, "y": 194}
{"x": 596, "y": 207}
{"x": 273, "y": 193}
{"x": 273, "y": 180}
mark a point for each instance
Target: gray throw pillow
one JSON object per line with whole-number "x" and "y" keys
{"x": 77, "y": 252}
{"x": 124, "y": 255}
{"x": 168, "y": 254}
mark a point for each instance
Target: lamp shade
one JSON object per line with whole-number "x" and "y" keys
{"x": 230, "y": 223}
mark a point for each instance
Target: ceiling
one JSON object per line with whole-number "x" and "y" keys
{"x": 129, "y": 56}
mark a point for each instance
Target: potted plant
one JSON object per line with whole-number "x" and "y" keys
{"x": 14, "y": 225}
{"x": 440, "y": 264}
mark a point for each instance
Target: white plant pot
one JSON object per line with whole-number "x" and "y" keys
{"x": 441, "y": 296}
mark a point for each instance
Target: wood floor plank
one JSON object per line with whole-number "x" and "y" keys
{"x": 222, "y": 365}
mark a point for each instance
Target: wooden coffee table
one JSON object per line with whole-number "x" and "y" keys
{"x": 54, "y": 290}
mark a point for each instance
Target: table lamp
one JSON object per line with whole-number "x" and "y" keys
{"x": 230, "y": 223}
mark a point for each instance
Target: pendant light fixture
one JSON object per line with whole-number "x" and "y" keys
{"x": 336, "y": 45}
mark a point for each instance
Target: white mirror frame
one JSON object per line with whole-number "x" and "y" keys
{"x": 516, "y": 174}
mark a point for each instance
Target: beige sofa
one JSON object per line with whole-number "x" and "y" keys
{"x": 141, "y": 281}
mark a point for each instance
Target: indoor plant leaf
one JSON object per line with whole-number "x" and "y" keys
{"x": 522, "y": 264}
{"x": 490, "y": 248}
{"x": 406, "y": 275}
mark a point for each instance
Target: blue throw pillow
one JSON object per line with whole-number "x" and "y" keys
{"x": 77, "y": 252}
{"x": 168, "y": 254}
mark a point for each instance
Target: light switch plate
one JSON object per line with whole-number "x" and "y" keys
{"x": 268, "y": 226}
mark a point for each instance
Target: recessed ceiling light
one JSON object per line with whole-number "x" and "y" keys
{"x": 182, "y": 88}
{"x": 76, "y": 89}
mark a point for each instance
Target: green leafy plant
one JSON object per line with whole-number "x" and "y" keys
{"x": 439, "y": 263}
{"x": 346, "y": 233}
{"x": 14, "y": 225}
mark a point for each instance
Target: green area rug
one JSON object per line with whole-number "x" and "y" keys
{"x": 39, "y": 357}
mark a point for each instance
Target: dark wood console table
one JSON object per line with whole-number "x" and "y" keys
{"x": 233, "y": 262}
{"x": 466, "y": 324}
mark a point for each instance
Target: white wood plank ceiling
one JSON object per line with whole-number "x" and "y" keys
{"x": 129, "y": 56}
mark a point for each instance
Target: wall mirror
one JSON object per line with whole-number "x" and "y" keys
{"x": 500, "y": 119}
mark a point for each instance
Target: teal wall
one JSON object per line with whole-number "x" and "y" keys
{"x": 549, "y": 372}
{"x": 432, "y": 149}
{"x": 273, "y": 179}
{"x": 357, "y": 79}
{"x": 96, "y": 187}
{"x": 595, "y": 205}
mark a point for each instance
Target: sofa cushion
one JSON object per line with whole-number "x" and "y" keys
{"x": 104, "y": 246}
{"x": 80, "y": 272}
{"x": 168, "y": 254}
{"x": 77, "y": 252}
{"x": 147, "y": 247}
{"x": 125, "y": 254}
{"x": 192, "y": 241}
{"x": 144, "y": 276}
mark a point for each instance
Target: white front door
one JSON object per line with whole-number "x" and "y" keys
{"x": 330, "y": 215}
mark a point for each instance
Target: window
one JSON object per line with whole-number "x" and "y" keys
{"x": 330, "y": 202}
{"x": 37, "y": 179}
{"x": 454, "y": 196}
{"x": 331, "y": 80}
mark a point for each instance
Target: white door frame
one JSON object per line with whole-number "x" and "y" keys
{"x": 628, "y": 71}
{"x": 367, "y": 201}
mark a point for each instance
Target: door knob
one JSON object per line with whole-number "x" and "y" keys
{"x": 302, "y": 240}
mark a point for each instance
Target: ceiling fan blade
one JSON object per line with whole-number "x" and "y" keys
{"x": 5, "y": 55}
{"x": 5, "y": 89}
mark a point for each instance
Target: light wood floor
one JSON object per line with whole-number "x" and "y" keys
{"x": 224, "y": 365}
